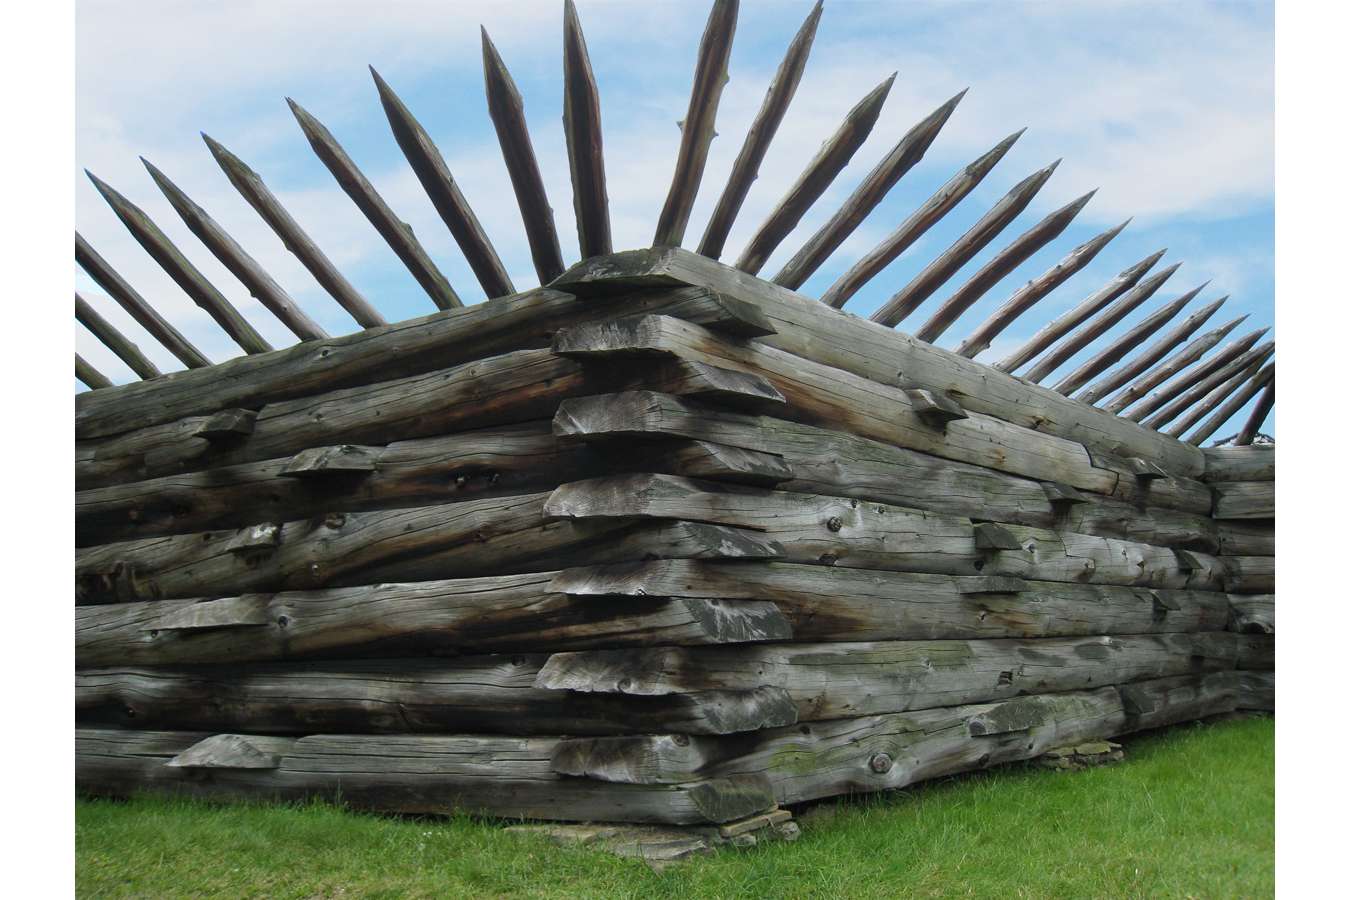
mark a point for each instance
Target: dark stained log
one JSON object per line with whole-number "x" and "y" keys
{"x": 1065, "y": 323}
{"x": 293, "y": 237}
{"x": 1005, "y": 261}
{"x": 1256, "y": 691}
{"x": 1027, "y": 296}
{"x": 585, "y": 141}
{"x": 136, "y": 305}
{"x": 397, "y": 233}
{"x": 1255, "y": 652}
{"x": 1246, "y": 538}
{"x": 236, "y": 259}
{"x": 113, "y": 339}
{"x": 506, "y": 777}
{"x": 865, "y": 197}
{"x": 431, "y": 170}
{"x": 926, "y": 216}
{"x": 1252, "y": 614}
{"x": 507, "y": 111}
{"x": 1232, "y": 405}
{"x": 1240, "y": 463}
{"x": 1112, "y": 352}
{"x": 746, "y": 167}
{"x": 93, "y": 378}
{"x": 697, "y": 130}
{"x": 183, "y": 272}
{"x": 819, "y": 174}
{"x": 1174, "y": 388}
{"x": 1251, "y": 575}
{"x": 1102, "y": 322}
{"x": 1172, "y": 365}
{"x": 935, "y": 274}
{"x": 1122, "y": 375}
{"x": 1258, "y": 417}
{"x": 1215, "y": 372}
{"x": 1166, "y": 701}
{"x": 482, "y": 694}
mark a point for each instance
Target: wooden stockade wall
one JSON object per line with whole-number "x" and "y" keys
{"x": 660, "y": 541}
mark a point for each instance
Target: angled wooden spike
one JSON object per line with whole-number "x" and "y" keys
{"x": 1220, "y": 393}
{"x": 507, "y": 111}
{"x": 397, "y": 233}
{"x": 1099, "y": 324}
{"x": 1258, "y": 417}
{"x": 1164, "y": 345}
{"x": 746, "y": 168}
{"x": 1124, "y": 344}
{"x": 1031, "y": 293}
{"x": 237, "y": 260}
{"x": 1203, "y": 388}
{"x": 1172, "y": 365}
{"x": 1190, "y": 377}
{"x": 926, "y": 216}
{"x": 113, "y": 339}
{"x": 136, "y": 305}
{"x": 431, "y": 170}
{"x": 1007, "y": 259}
{"x": 183, "y": 272}
{"x": 936, "y": 273}
{"x": 92, "y": 377}
{"x": 1254, "y": 386}
{"x": 585, "y": 144}
{"x": 251, "y": 186}
{"x": 1069, "y": 320}
{"x": 698, "y": 128}
{"x": 834, "y": 154}
{"x": 865, "y": 197}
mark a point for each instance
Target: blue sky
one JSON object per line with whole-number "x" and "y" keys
{"x": 1166, "y": 108}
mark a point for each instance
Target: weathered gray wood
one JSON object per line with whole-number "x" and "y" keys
{"x": 1066, "y": 322}
{"x": 506, "y": 777}
{"x": 1251, "y": 463}
{"x": 1246, "y": 538}
{"x": 237, "y": 260}
{"x": 250, "y": 185}
{"x": 819, "y": 174}
{"x": 745, "y": 169}
{"x": 113, "y": 339}
{"x": 93, "y": 378}
{"x": 988, "y": 227}
{"x": 397, "y": 233}
{"x": 431, "y": 170}
{"x": 1172, "y": 365}
{"x": 1255, "y": 652}
{"x": 227, "y": 612}
{"x": 1251, "y": 574}
{"x": 1123, "y": 374}
{"x": 1007, "y": 259}
{"x": 1166, "y": 701}
{"x": 1027, "y": 296}
{"x": 1252, "y": 613}
{"x": 1219, "y": 398}
{"x": 585, "y": 141}
{"x": 507, "y": 111}
{"x": 1187, "y": 379}
{"x": 1230, "y": 406}
{"x": 1215, "y": 381}
{"x": 697, "y": 129}
{"x": 181, "y": 270}
{"x": 1113, "y": 351}
{"x": 1256, "y": 690}
{"x": 234, "y": 751}
{"x": 479, "y": 694}
{"x": 1258, "y": 417}
{"x": 136, "y": 305}
{"x": 866, "y": 196}
{"x": 227, "y": 426}
{"x": 934, "y": 408}
{"x": 330, "y": 462}
{"x": 911, "y": 229}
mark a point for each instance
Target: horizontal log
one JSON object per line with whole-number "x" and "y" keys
{"x": 1254, "y": 652}
{"x": 507, "y": 777}
{"x": 1251, "y": 574}
{"x": 1256, "y": 690}
{"x": 1252, "y": 463}
{"x": 1252, "y": 613}
{"x": 478, "y": 694}
{"x": 1244, "y": 500}
{"x": 1246, "y": 538}
{"x": 1167, "y": 701}
{"x": 812, "y": 330}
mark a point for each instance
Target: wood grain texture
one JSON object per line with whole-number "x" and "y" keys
{"x": 113, "y": 339}
{"x": 1116, "y": 349}
{"x": 1123, "y": 374}
{"x": 1170, "y": 366}
{"x": 585, "y": 140}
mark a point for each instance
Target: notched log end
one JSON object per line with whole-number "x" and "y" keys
{"x": 225, "y": 751}
{"x": 935, "y": 407}
{"x": 227, "y": 425}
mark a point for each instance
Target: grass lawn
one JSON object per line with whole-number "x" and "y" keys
{"x": 1190, "y": 813}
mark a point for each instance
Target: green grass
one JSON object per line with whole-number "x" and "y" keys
{"x": 1189, "y": 814}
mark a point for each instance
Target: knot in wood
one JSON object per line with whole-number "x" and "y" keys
{"x": 881, "y": 763}
{"x": 835, "y": 523}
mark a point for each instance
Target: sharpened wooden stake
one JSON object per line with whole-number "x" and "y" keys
{"x": 1064, "y": 324}
{"x": 1186, "y": 379}
{"x": 936, "y": 273}
{"x": 113, "y": 339}
{"x": 397, "y": 233}
{"x": 431, "y": 170}
{"x": 136, "y": 305}
{"x": 818, "y": 175}
{"x": 585, "y": 143}
{"x": 926, "y": 216}
{"x": 1218, "y": 397}
{"x": 698, "y": 128}
{"x": 746, "y": 168}
{"x": 1234, "y": 403}
{"x": 507, "y": 111}
{"x": 1132, "y": 369}
{"x": 1124, "y": 344}
{"x": 92, "y": 377}
{"x": 1007, "y": 259}
{"x": 1216, "y": 377}
{"x": 236, "y": 259}
{"x": 183, "y": 272}
{"x": 1258, "y": 416}
{"x": 1027, "y": 296}
{"x": 865, "y": 197}
{"x": 1100, "y": 324}
{"x": 1172, "y": 365}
